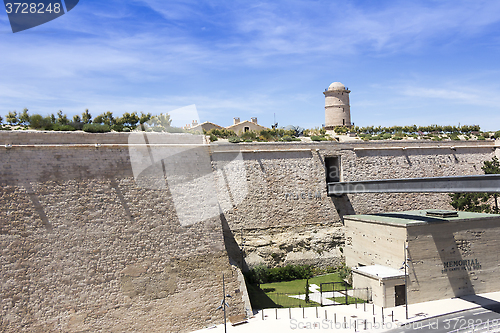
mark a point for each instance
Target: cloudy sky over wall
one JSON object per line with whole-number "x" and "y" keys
{"x": 406, "y": 62}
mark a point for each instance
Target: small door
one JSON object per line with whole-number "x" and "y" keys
{"x": 400, "y": 294}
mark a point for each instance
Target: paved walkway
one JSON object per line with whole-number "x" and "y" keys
{"x": 330, "y": 318}
{"x": 325, "y": 298}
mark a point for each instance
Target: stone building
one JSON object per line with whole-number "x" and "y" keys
{"x": 448, "y": 254}
{"x": 245, "y": 126}
{"x": 205, "y": 126}
{"x": 337, "y": 108}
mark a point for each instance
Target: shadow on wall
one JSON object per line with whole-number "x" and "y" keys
{"x": 234, "y": 252}
{"x": 447, "y": 246}
{"x": 343, "y": 206}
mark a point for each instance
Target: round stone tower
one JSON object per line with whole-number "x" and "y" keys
{"x": 337, "y": 108}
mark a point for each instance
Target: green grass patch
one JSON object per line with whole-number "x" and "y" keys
{"x": 262, "y": 300}
{"x": 350, "y": 300}
{"x": 298, "y": 286}
{"x": 275, "y": 294}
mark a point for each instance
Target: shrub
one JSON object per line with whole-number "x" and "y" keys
{"x": 234, "y": 139}
{"x": 39, "y": 122}
{"x": 345, "y": 273}
{"x": 497, "y": 134}
{"x": 318, "y": 138}
{"x": 117, "y": 127}
{"x": 78, "y": 125}
{"x": 386, "y": 136}
{"x": 221, "y": 133}
{"x": 96, "y": 128}
{"x": 339, "y": 130}
{"x": 481, "y": 137}
{"x": 262, "y": 274}
{"x": 213, "y": 138}
{"x": 265, "y": 135}
{"x": 59, "y": 127}
{"x": 250, "y": 135}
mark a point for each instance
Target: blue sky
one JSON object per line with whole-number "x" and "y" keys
{"x": 406, "y": 62}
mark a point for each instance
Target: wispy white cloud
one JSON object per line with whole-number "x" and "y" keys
{"x": 228, "y": 57}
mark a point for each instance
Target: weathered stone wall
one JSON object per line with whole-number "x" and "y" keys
{"x": 86, "y": 249}
{"x": 282, "y": 220}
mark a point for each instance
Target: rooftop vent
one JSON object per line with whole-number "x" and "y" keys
{"x": 442, "y": 213}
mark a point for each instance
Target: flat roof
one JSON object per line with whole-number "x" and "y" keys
{"x": 417, "y": 217}
{"x": 379, "y": 272}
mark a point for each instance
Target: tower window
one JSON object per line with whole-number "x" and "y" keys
{"x": 343, "y": 122}
{"x": 247, "y": 129}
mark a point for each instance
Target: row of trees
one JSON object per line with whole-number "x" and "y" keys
{"x": 414, "y": 129}
{"x": 265, "y": 135}
{"x": 127, "y": 119}
{"x": 105, "y": 121}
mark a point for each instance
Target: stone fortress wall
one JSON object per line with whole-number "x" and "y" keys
{"x": 86, "y": 249}
{"x": 287, "y": 216}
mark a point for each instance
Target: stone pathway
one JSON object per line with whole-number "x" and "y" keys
{"x": 324, "y": 299}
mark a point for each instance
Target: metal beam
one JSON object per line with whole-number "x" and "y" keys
{"x": 456, "y": 184}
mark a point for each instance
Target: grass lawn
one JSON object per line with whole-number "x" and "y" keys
{"x": 350, "y": 300}
{"x": 299, "y": 286}
{"x": 267, "y": 295}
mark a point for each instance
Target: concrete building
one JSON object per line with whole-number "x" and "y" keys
{"x": 337, "y": 108}
{"x": 448, "y": 254}
{"x": 245, "y": 126}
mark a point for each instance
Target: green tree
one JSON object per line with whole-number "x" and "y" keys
{"x": 86, "y": 117}
{"x": 105, "y": 118}
{"x": 77, "y": 119}
{"x": 12, "y": 118}
{"x": 24, "y": 117}
{"x": 129, "y": 119}
{"x": 1, "y": 120}
{"x": 478, "y": 202}
{"x": 162, "y": 120}
{"x": 62, "y": 118}
{"x": 492, "y": 167}
{"x": 99, "y": 119}
{"x": 144, "y": 118}
{"x": 470, "y": 202}
{"x": 38, "y": 122}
